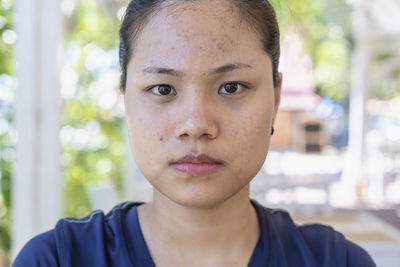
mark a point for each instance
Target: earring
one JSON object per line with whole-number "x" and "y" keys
{"x": 272, "y": 131}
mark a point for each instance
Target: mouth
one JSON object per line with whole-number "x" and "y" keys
{"x": 197, "y": 165}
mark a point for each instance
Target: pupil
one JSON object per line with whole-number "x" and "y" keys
{"x": 230, "y": 87}
{"x": 164, "y": 90}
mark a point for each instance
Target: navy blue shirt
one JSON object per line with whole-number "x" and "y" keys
{"x": 116, "y": 239}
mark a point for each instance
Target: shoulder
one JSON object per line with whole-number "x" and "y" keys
{"x": 94, "y": 239}
{"x": 39, "y": 251}
{"x": 357, "y": 256}
{"x": 76, "y": 240}
{"x": 94, "y": 224}
{"x": 321, "y": 237}
{"x": 320, "y": 243}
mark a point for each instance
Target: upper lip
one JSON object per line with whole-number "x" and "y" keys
{"x": 201, "y": 158}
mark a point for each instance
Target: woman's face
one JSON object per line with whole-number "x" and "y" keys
{"x": 199, "y": 83}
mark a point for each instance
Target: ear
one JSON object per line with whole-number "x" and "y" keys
{"x": 277, "y": 96}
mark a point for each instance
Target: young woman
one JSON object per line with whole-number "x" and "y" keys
{"x": 201, "y": 93}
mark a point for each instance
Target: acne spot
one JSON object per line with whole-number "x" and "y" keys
{"x": 161, "y": 139}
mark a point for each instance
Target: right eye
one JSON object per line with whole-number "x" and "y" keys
{"x": 163, "y": 90}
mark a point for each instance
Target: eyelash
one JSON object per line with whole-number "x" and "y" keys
{"x": 239, "y": 84}
{"x": 166, "y": 85}
{"x": 236, "y": 83}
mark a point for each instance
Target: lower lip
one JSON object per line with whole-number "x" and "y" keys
{"x": 196, "y": 168}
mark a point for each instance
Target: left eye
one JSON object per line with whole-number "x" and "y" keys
{"x": 231, "y": 88}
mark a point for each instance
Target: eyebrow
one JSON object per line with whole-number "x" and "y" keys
{"x": 222, "y": 69}
{"x": 159, "y": 70}
{"x": 229, "y": 67}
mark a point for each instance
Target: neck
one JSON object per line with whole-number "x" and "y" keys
{"x": 227, "y": 228}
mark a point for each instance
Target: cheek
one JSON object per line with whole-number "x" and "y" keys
{"x": 255, "y": 136}
{"x": 146, "y": 131}
{"x": 251, "y": 137}
{"x": 147, "y": 141}
{"x": 147, "y": 122}
{"x": 254, "y": 124}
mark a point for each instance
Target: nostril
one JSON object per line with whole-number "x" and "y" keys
{"x": 208, "y": 136}
{"x": 196, "y": 131}
{"x": 196, "y": 121}
{"x": 183, "y": 135}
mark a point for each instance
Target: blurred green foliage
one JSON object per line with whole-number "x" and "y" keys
{"x": 386, "y": 84}
{"x": 326, "y": 29}
{"x": 91, "y": 32}
{"x": 7, "y": 140}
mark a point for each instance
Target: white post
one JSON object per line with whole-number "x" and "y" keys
{"x": 37, "y": 184}
{"x": 358, "y": 96}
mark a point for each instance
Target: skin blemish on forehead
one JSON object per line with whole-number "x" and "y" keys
{"x": 220, "y": 45}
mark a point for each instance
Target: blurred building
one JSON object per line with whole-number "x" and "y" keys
{"x": 297, "y": 127}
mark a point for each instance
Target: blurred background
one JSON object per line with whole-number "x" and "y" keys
{"x": 335, "y": 155}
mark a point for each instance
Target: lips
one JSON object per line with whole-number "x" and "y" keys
{"x": 202, "y": 164}
{"x": 202, "y": 158}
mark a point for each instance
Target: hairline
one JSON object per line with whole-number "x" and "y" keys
{"x": 160, "y": 6}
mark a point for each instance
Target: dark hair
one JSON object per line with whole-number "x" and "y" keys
{"x": 258, "y": 14}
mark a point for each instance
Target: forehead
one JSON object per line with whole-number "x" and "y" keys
{"x": 207, "y": 31}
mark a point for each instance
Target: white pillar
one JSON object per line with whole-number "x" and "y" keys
{"x": 37, "y": 184}
{"x": 358, "y": 96}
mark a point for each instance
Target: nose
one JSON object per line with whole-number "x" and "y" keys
{"x": 197, "y": 118}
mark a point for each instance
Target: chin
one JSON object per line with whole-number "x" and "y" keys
{"x": 200, "y": 202}
{"x": 202, "y": 196}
